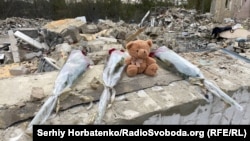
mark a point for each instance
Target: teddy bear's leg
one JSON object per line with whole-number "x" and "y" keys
{"x": 142, "y": 68}
{"x": 151, "y": 70}
{"x": 132, "y": 70}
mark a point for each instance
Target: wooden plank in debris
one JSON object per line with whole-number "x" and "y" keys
{"x": 28, "y": 39}
{"x": 14, "y": 48}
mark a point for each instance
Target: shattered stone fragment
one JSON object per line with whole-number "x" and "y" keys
{"x": 20, "y": 70}
{"x": 37, "y": 93}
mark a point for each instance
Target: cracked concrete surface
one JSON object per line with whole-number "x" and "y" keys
{"x": 161, "y": 100}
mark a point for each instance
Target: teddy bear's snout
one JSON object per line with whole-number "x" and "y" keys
{"x": 142, "y": 53}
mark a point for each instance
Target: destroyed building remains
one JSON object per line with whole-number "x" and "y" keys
{"x": 35, "y": 50}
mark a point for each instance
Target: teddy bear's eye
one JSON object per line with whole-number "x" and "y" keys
{"x": 137, "y": 50}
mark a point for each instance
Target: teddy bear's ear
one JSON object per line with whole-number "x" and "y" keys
{"x": 150, "y": 43}
{"x": 129, "y": 45}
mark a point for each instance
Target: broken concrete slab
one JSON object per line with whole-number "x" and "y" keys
{"x": 97, "y": 57}
{"x": 90, "y": 29}
{"x": 14, "y": 48}
{"x": 47, "y": 64}
{"x": 21, "y": 93}
{"x": 32, "y": 55}
{"x": 31, "y": 32}
{"x": 11, "y": 115}
{"x": 28, "y": 39}
{"x": 60, "y": 25}
{"x": 71, "y": 34}
{"x": 37, "y": 93}
{"x": 136, "y": 106}
{"x": 227, "y": 72}
{"x": 87, "y": 89}
{"x": 69, "y": 29}
{"x": 95, "y": 45}
{"x": 16, "y": 103}
{"x": 212, "y": 113}
{"x": 20, "y": 70}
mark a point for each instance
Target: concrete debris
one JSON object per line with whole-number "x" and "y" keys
{"x": 37, "y": 94}
{"x": 82, "y": 18}
{"x": 71, "y": 34}
{"x": 18, "y": 22}
{"x": 49, "y": 37}
{"x": 64, "y": 49}
{"x": 82, "y": 92}
{"x": 14, "y": 48}
{"x": 46, "y": 65}
{"x": 20, "y": 70}
{"x": 31, "y": 32}
{"x": 28, "y": 40}
{"x": 32, "y": 55}
{"x": 39, "y": 49}
{"x": 90, "y": 29}
{"x": 60, "y": 25}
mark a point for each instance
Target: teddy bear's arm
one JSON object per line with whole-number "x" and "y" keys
{"x": 151, "y": 60}
{"x": 128, "y": 60}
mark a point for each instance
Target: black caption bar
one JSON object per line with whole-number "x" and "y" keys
{"x": 197, "y": 132}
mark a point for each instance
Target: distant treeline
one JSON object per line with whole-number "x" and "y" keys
{"x": 92, "y": 9}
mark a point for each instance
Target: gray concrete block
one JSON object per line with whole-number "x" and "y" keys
{"x": 172, "y": 120}
{"x": 28, "y": 39}
{"x": 37, "y": 93}
{"x": 215, "y": 118}
{"x": 31, "y": 32}
{"x": 13, "y": 47}
{"x": 190, "y": 119}
{"x": 246, "y": 116}
{"x": 21, "y": 70}
{"x": 204, "y": 114}
{"x": 238, "y": 115}
{"x": 218, "y": 105}
{"x": 227, "y": 115}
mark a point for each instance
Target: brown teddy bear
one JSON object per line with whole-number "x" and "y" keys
{"x": 139, "y": 60}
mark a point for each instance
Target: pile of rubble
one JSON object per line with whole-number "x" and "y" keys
{"x": 42, "y": 46}
{"x": 17, "y": 22}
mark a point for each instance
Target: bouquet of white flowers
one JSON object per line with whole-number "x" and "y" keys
{"x": 76, "y": 64}
{"x": 171, "y": 59}
{"x": 111, "y": 75}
